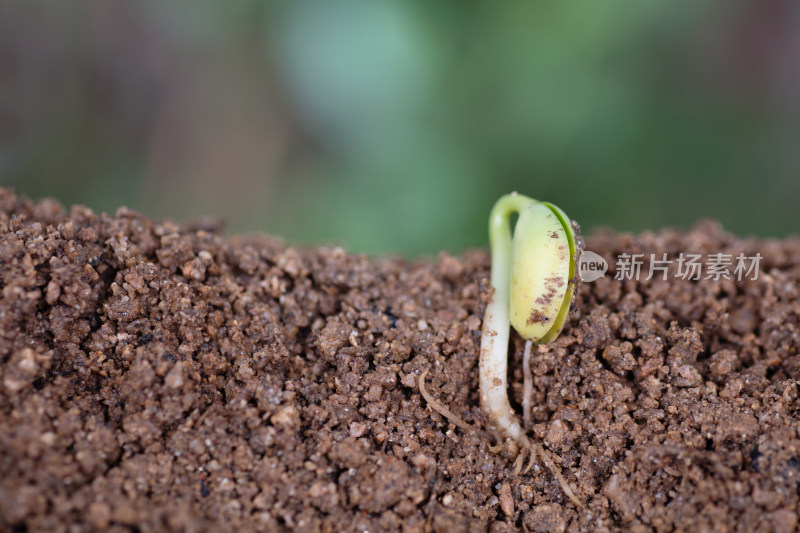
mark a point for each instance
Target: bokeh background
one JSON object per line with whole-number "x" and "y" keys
{"x": 393, "y": 126}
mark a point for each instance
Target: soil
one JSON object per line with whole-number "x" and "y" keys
{"x": 158, "y": 376}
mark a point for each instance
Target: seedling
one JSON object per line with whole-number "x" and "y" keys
{"x": 533, "y": 280}
{"x": 533, "y": 277}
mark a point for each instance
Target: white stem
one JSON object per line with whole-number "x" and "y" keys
{"x": 495, "y": 332}
{"x": 494, "y": 371}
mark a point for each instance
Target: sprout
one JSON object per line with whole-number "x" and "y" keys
{"x": 533, "y": 277}
{"x": 533, "y": 281}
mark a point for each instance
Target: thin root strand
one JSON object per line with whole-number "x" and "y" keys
{"x": 518, "y": 463}
{"x": 527, "y": 391}
{"x": 439, "y": 408}
{"x": 554, "y": 469}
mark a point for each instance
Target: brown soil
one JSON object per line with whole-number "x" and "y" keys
{"x": 163, "y": 377}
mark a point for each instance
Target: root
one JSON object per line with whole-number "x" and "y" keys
{"x": 518, "y": 463}
{"x": 439, "y": 408}
{"x": 536, "y": 449}
{"x": 531, "y": 462}
{"x": 527, "y": 391}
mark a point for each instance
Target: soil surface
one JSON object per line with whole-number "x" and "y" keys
{"x": 157, "y": 376}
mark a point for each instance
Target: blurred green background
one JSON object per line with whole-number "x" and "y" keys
{"x": 393, "y": 126}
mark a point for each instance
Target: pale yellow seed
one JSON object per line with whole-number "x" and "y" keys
{"x": 539, "y": 271}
